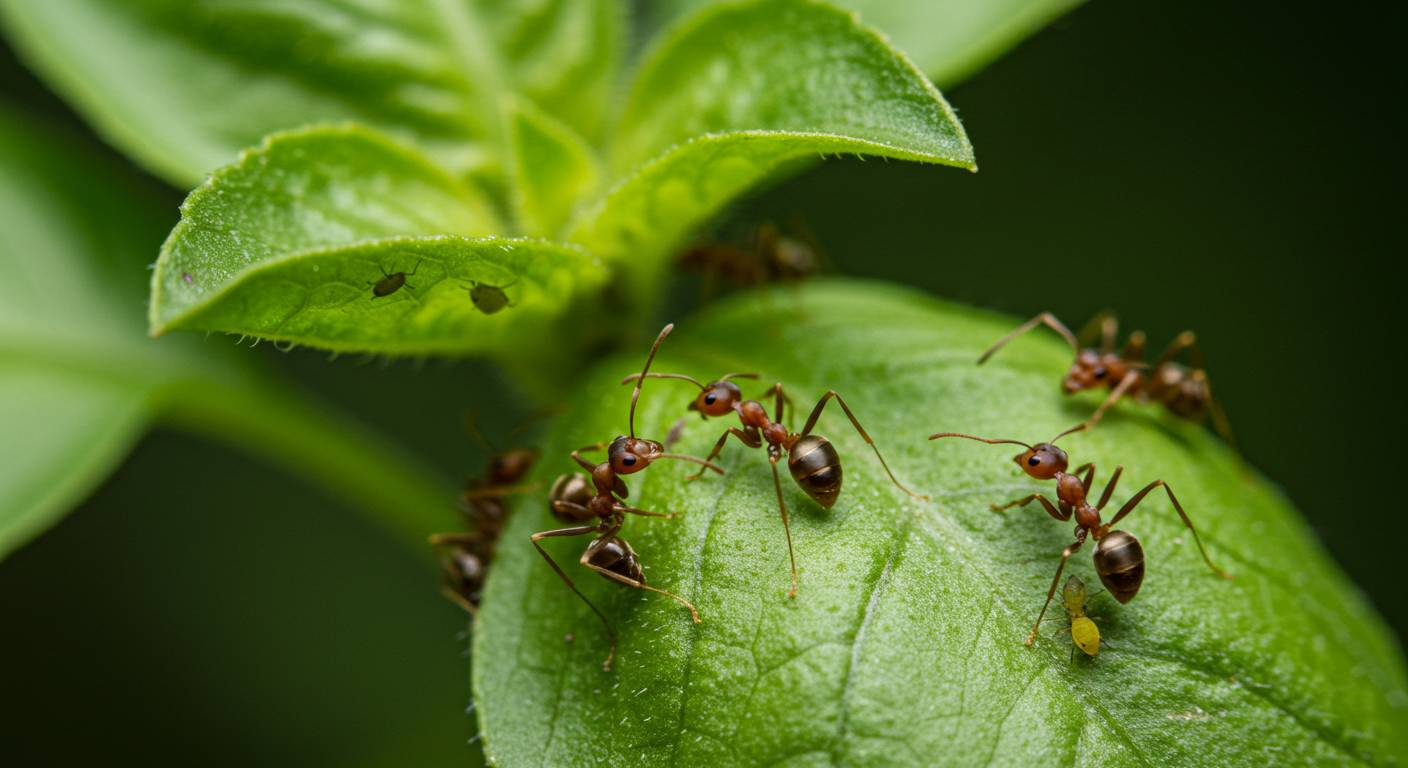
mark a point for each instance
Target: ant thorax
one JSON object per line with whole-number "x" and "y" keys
{"x": 1093, "y": 368}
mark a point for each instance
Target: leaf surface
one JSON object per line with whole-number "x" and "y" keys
{"x": 743, "y": 93}
{"x": 294, "y": 241}
{"x": 183, "y": 86}
{"x": 904, "y": 644}
{"x": 948, "y": 39}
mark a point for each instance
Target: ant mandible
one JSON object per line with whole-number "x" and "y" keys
{"x": 1119, "y": 558}
{"x": 811, "y": 459}
{"x": 465, "y": 556}
{"x": 609, "y": 554}
{"x": 1184, "y": 390}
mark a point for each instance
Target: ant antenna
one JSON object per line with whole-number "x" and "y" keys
{"x": 635, "y": 394}
{"x": 1077, "y": 428}
{"x": 471, "y": 425}
{"x": 989, "y": 441}
{"x": 680, "y": 376}
{"x": 695, "y": 459}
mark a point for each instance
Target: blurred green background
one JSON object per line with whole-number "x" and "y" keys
{"x": 1225, "y": 167}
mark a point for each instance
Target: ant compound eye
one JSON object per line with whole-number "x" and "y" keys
{"x": 1100, "y": 372}
{"x": 709, "y": 399}
{"x": 628, "y": 460}
{"x": 1033, "y": 461}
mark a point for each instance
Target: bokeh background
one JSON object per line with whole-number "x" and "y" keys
{"x": 1233, "y": 168}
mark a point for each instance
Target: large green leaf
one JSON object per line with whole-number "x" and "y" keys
{"x": 80, "y": 381}
{"x": 904, "y": 644}
{"x": 948, "y": 39}
{"x": 553, "y": 170}
{"x": 183, "y": 85}
{"x": 288, "y": 243}
{"x": 744, "y": 92}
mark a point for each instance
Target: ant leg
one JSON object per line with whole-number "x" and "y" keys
{"x": 1134, "y": 349}
{"x": 1219, "y": 416}
{"x": 1060, "y": 514}
{"x": 447, "y": 539}
{"x": 1138, "y": 497}
{"x": 1186, "y": 340}
{"x": 1110, "y": 486}
{"x": 577, "y": 455}
{"x": 628, "y": 581}
{"x": 1089, "y": 470}
{"x": 577, "y": 531}
{"x": 1106, "y": 325}
{"x": 1045, "y": 318}
{"x": 675, "y": 434}
{"x": 1129, "y": 380}
{"x": 642, "y": 512}
{"x": 786, "y": 526}
{"x": 500, "y": 490}
{"x": 752, "y": 441}
{"x": 459, "y": 600}
{"x": 780, "y": 398}
{"x": 1065, "y": 555}
{"x": 816, "y": 413}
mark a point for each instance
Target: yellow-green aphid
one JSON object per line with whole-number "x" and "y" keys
{"x": 1084, "y": 633}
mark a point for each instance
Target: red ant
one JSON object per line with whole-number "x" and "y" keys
{"x": 609, "y": 554}
{"x": 1119, "y": 558}
{"x": 1183, "y": 390}
{"x": 465, "y": 556}
{"x": 812, "y": 459}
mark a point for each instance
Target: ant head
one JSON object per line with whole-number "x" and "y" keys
{"x": 1042, "y": 461}
{"x": 1089, "y": 370}
{"x": 510, "y": 466}
{"x": 717, "y": 399}
{"x": 632, "y": 454}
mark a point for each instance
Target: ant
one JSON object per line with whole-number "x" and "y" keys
{"x": 1119, "y": 558}
{"x": 489, "y": 299}
{"x": 812, "y": 459}
{"x": 608, "y": 554}
{"x": 1183, "y": 389}
{"x": 391, "y": 282}
{"x": 465, "y": 557}
{"x": 768, "y": 256}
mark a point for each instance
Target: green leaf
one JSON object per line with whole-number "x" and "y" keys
{"x": 80, "y": 381}
{"x": 744, "y": 92}
{"x": 948, "y": 39}
{"x": 553, "y": 169}
{"x": 564, "y": 54}
{"x": 287, "y": 243}
{"x": 904, "y": 643}
{"x": 183, "y": 86}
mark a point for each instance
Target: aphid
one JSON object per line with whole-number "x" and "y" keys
{"x": 609, "y": 554}
{"x": 465, "y": 556}
{"x": 489, "y": 298}
{"x": 1183, "y": 389}
{"x": 391, "y": 282}
{"x": 1084, "y": 634}
{"x": 1119, "y": 558}
{"x": 812, "y": 459}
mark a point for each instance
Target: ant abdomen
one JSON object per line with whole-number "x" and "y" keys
{"x": 816, "y": 467}
{"x": 570, "y": 498}
{"x": 1119, "y": 559}
{"x": 615, "y": 555}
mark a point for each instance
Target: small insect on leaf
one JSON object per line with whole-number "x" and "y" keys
{"x": 489, "y": 299}
{"x": 391, "y": 282}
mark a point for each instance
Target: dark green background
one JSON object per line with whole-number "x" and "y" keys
{"x": 1232, "y": 168}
